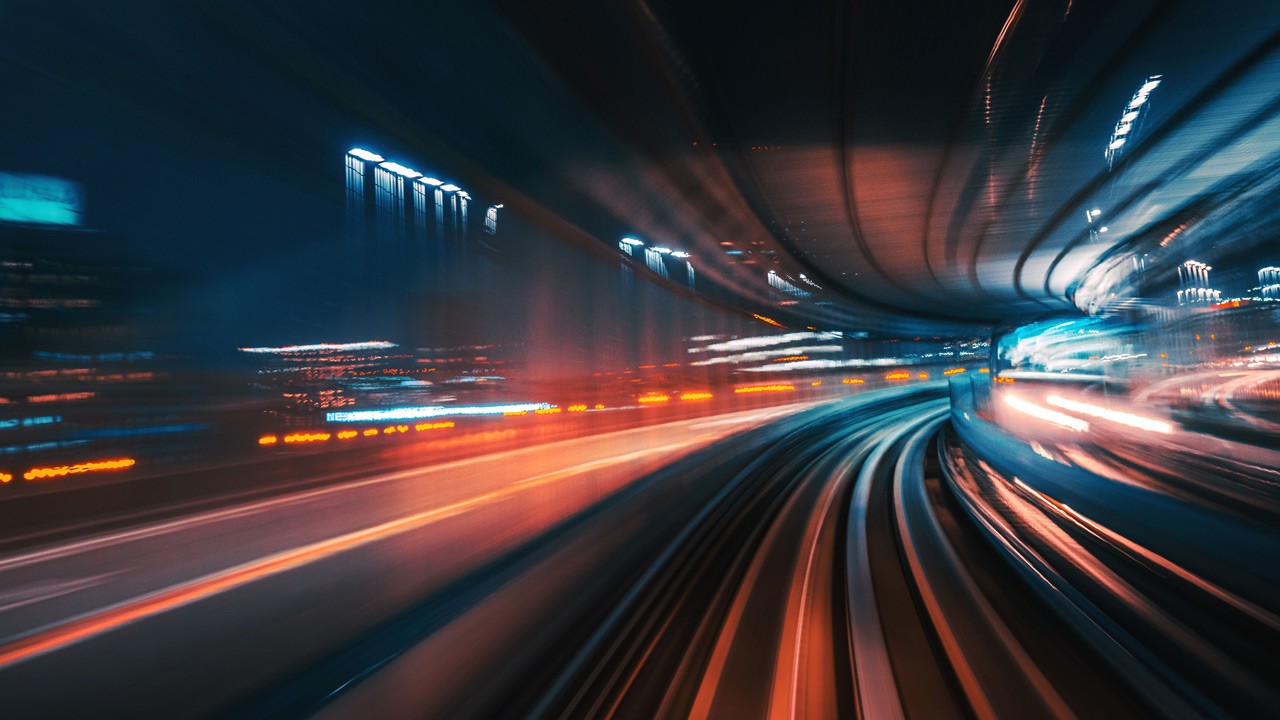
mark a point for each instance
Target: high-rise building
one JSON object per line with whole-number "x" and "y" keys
{"x": 397, "y": 217}
{"x": 1193, "y": 281}
{"x": 1269, "y": 282}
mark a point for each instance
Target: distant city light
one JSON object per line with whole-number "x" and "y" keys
{"x": 632, "y": 241}
{"x": 1130, "y": 117}
{"x": 661, "y": 249}
{"x": 400, "y": 170}
{"x": 365, "y": 155}
{"x": 430, "y": 181}
{"x": 450, "y": 187}
{"x": 331, "y": 347}
{"x": 679, "y": 254}
{"x": 430, "y": 411}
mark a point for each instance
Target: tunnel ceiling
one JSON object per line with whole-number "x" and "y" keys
{"x": 936, "y": 162}
{"x": 909, "y": 167}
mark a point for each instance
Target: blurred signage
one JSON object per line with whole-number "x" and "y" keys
{"x": 39, "y": 199}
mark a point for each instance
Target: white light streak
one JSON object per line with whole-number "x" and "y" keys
{"x": 748, "y": 343}
{"x": 330, "y": 347}
{"x": 1116, "y": 416}
{"x": 430, "y": 411}
{"x": 1044, "y": 413}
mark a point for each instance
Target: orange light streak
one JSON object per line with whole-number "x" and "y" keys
{"x": 300, "y": 437}
{"x": 763, "y": 388}
{"x": 61, "y": 470}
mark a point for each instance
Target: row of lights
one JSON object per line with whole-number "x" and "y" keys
{"x": 405, "y": 172}
{"x": 304, "y": 438}
{"x": 660, "y": 249}
{"x": 40, "y": 473}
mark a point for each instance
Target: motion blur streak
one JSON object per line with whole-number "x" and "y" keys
{"x": 249, "y": 572}
{"x": 1124, "y": 418}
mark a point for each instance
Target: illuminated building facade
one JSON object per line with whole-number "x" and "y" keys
{"x": 76, "y": 365}
{"x": 1269, "y": 282}
{"x": 398, "y": 218}
{"x": 1193, "y": 281}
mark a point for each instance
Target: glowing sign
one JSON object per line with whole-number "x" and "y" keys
{"x": 39, "y": 199}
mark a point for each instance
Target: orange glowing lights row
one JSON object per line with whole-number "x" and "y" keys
{"x": 577, "y": 408}
{"x": 764, "y": 388}
{"x": 695, "y": 396}
{"x": 293, "y": 438}
{"x": 853, "y": 381}
{"x": 5, "y": 477}
{"x": 547, "y": 411}
{"x": 652, "y": 398}
{"x": 313, "y": 437}
{"x": 61, "y": 470}
{"x": 791, "y": 358}
{"x": 953, "y": 371}
{"x": 901, "y": 375}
